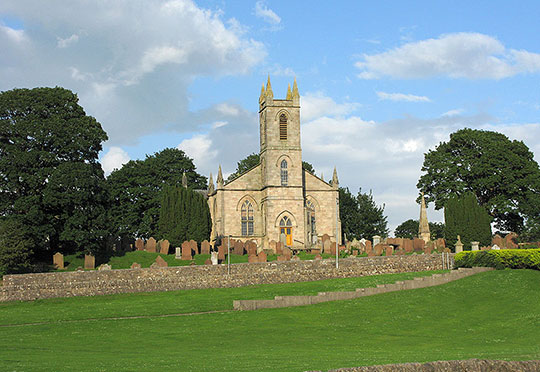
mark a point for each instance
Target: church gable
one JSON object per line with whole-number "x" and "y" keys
{"x": 251, "y": 180}
{"x": 313, "y": 182}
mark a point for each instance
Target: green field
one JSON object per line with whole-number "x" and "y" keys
{"x": 493, "y": 315}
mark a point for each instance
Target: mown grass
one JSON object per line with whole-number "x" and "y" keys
{"x": 493, "y": 315}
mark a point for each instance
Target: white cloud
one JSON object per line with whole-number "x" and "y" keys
{"x": 199, "y": 148}
{"x": 402, "y": 97}
{"x": 64, "y": 43}
{"x": 458, "y": 55}
{"x": 315, "y": 105}
{"x": 453, "y": 112}
{"x": 132, "y": 76}
{"x": 267, "y": 14}
{"x": 114, "y": 159}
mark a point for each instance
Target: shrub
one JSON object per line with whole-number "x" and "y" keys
{"x": 500, "y": 259}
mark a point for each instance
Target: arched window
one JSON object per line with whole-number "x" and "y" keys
{"x": 247, "y": 219}
{"x": 285, "y": 222}
{"x": 284, "y": 173}
{"x": 285, "y": 231}
{"x": 312, "y": 227}
{"x": 283, "y": 127}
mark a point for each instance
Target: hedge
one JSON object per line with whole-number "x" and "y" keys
{"x": 500, "y": 259}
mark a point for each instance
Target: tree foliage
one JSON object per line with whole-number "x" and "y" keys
{"x": 50, "y": 178}
{"x": 360, "y": 216}
{"x": 184, "y": 215}
{"x": 253, "y": 160}
{"x": 409, "y": 229}
{"x": 501, "y": 173}
{"x": 135, "y": 191}
{"x": 463, "y": 216}
{"x": 15, "y": 247}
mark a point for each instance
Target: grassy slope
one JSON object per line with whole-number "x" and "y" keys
{"x": 491, "y": 315}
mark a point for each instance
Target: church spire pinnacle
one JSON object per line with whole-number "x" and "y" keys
{"x": 335, "y": 181}
{"x": 295, "y": 94}
{"x": 269, "y": 92}
{"x": 289, "y": 93}
{"x": 423, "y": 226}
{"x": 219, "y": 180}
{"x": 263, "y": 93}
{"x": 211, "y": 185}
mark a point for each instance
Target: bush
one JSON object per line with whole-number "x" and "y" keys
{"x": 500, "y": 259}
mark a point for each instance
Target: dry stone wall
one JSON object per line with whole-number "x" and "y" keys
{"x": 90, "y": 283}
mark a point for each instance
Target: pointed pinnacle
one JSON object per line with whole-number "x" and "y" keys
{"x": 219, "y": 177}
{"x": 263, "y": 93}
{"x": 295, "y": 90}
{"x": 335, "y": 181}
{"x": 289, "y": 93}
{"x": 210, "y": 184}
{"x": 269, "y": 92}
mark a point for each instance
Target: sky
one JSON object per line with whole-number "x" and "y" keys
{"x": 381, "y": 82}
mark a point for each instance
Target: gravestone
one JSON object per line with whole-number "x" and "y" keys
{"x": 287, "y": 253}
{"x": 318, "y": 257}
{"x": 440, "y": 244}
{"x": 221, "y": 252}
{"x": 378, "y": 249}
{"x": 498, "y": 241}
{"x": 178, "y": 253}
{"x": 418, "y": 244}
{"x": 459, "y": 245}
{"x": 193, "y": 245}
{"x": 511, "y": 240}
{"x": 348, "y": 246}
{"x": 327, "y": 246}
{"x": 428, "y": 248}
{"x": 408, "y": 245}
{"x": 389, "y": 250}
{"x": 186, "y": 251}
{"x": 58, "y": 260}
{"x": 354, "y": 252}
{"x": 205, "y": 247}
{"x": 135, "y": 265}
{"x": 208, "y": 262}
{"x": 279, "y": 248}
{"x": 376, "y": 240}
{"x": 104, "y": 267}
{"x": 89, "y": 261}
{"x": 164, "y": 247}
{"x": 272, "y": 245}
{"x": 238, "y": 248}
{"x": 160, "y": 262}
{"x": 139, "y": 244}
{"x": 253, "y": 258}
{"x": 151, "y": 245}
{"x": 214, "y": 258}
{"x": 475, "y": 246}
{"x": 262, "y": 257}
{"x": 251, "y": 248}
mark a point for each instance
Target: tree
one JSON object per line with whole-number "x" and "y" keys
{"x": 463, "y": 216}
{"x": 15, "y": 247}
{"x": 253, "y": 160}
{"x": 409, "y": 229}
{"x": 135, "y": 191}
{"x": 501, "y": 173}
{"x": 50, "y": 177}
{"x": 184, "y": 215}
{"x": 360, "y": 216}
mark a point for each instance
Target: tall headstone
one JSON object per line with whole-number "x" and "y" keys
{"x": 423, "y": 226}
{"x": 194, "y": 247}
{"x": 498, "y": 241}
{"x": 238, "y": 248}
{"x": 378, "y": 249}
{"x": 89, "y": 261}
{"x": 178, "y": 253}
{"x": 459, "y": 245}
{"x": 58, "y": 261}
{"x": 511, "y": 240}
{"x": 369, "y": 247}
{"x": 186, "y": 251}
{"x": 418, "y": 244}
{"x": 279, "y": 247}
{"x": 139, "y": 244}
{"x": 205, "y": 247}
{"x": 164, "y": 247}
{"x": 408, "y": 245}
{"x": 151, "y": 245}
{"x": 475, "y": 246}
{"x": 214, "y": 258}
{"x": 327, "y": 246}
{"x": 222, "y": 250}
{"x": 262, "y": 257}
{"x": 389, "y": 250}
{"x": 272, "y": 245}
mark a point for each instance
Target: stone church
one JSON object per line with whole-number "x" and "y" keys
{"x": 277, "y": 199}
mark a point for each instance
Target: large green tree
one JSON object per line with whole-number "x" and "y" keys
{"x": 135, "y": 191}
{"x": 184, "y": 215}
{"x": 501, "y": 173}
{"x": 253, "y": 160}
{"x": 50, "y": 177}
{"x": 409, "y": 229}
{"x": 463, "y": 216}
{"x": 360, "y": 216}
{"x": 15, "y": 247}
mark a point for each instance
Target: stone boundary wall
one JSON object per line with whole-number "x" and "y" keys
{"x": 90, "y": 283}
{"x": 471, "y": 365}
{"x": 420, "y": 282}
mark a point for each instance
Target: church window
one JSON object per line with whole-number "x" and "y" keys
{"x": 284, "y": 173}
{"x": 247, "y": 218}
{"x": 283, "y": 127}
{"x": 285, "y": 222}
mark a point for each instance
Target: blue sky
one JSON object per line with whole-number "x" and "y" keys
{"x": 381, "y": 82}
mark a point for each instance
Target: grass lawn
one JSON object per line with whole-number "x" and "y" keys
{"x": 493, "y": 315}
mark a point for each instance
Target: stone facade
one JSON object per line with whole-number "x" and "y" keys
{"x": 276, "y": 196}
{"x": 90, "y": 283}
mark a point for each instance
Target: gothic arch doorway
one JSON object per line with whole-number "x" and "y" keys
{"x": 285, "y": 231}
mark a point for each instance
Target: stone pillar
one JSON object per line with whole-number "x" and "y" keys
{"x": 459, "y": 245}
{"x": 474, "y": 246}
{"x": 376, "y": 240}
